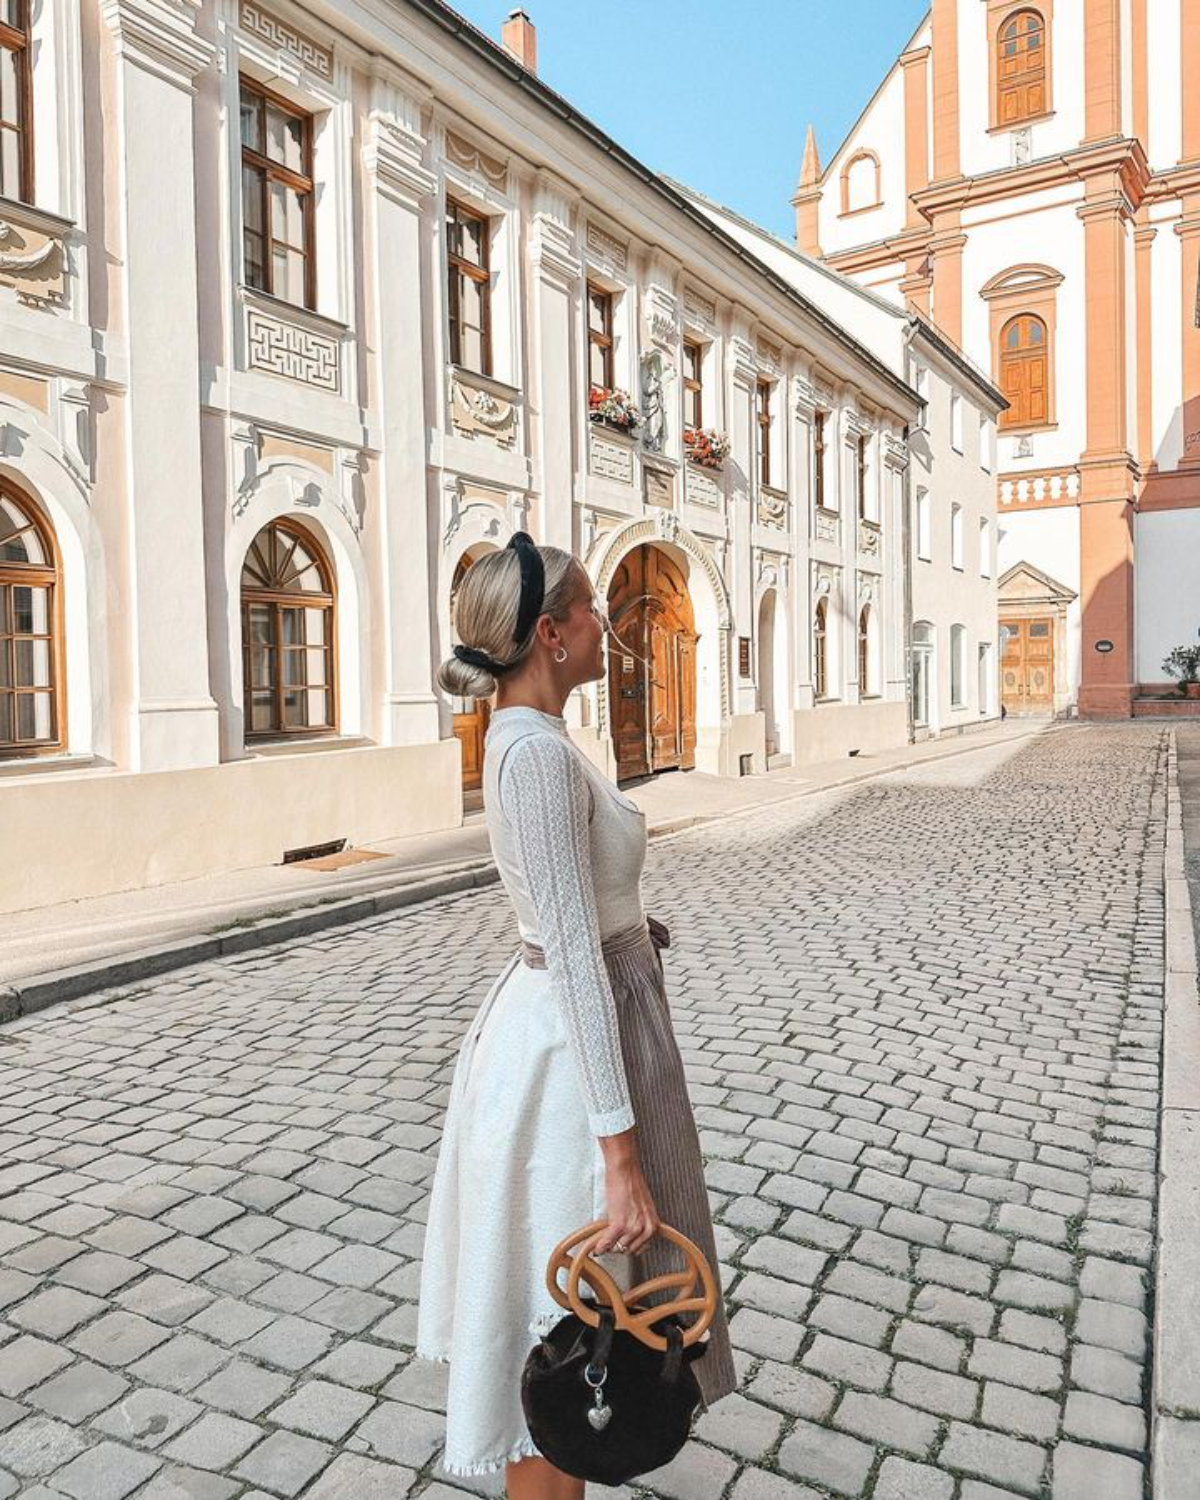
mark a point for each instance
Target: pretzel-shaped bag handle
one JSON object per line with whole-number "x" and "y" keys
{"x": 574, "y": 1254}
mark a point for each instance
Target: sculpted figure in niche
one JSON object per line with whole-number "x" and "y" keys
{"x": 654, "y": 407}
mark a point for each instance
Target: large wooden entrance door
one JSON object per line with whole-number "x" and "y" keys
{"x": 1027, "y": 667}
{"x": 653, "y": 714}
{"x": 471, "y": 714}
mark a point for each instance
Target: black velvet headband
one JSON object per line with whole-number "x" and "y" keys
{"x": 533, "y": 590}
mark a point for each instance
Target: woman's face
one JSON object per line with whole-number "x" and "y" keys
{"x": 582, "y": 632}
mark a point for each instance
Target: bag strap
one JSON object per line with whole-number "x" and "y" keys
{"x": 674, "y": 1358}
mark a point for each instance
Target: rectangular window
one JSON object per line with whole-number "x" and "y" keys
{"x": 985, "y": 550}
{"x": 924, "y": 527}
{"x": 956, "y": 427}
{"x": 958, "y": 664}
{"x": 819, "y": 458}
{"x": 693, "y": 384}
{"x": 16, "y": 102}
{"x": 762, "y": 418}
{"x": 277, "y": 197}
{"x": 956, "y": 536}
{"x": 985, "y": 442}
{"x": 467, "y": 254}
{"x": 600, "y": 338}
{"x": 860, "y": 477}
{"x": 921, "y": 386}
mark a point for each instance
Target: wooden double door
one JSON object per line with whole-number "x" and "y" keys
{"x": 1027, "y": 666}
{"x": 653, "y": 711}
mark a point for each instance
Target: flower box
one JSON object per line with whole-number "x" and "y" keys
{"x": 613, "y": 409}
{"x": 706, "y": 446}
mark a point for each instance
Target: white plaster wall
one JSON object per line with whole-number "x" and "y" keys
{"x": 1052, "y": 236}
{"x": 1049, "y": 539}
{"x": 1167, "y": 607}
{"x": 1166, "y": 317}
{"x": 984, "y": 152}
{"x": 1166, "y": 95}
{"x": 880, "y": 130}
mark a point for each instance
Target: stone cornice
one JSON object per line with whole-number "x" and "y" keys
{"x": 160, "y": 36}
{"x": 392, "y": 155}
{"x": 1124, "y": 157}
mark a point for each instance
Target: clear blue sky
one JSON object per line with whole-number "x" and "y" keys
{"x": 717, "y": 92}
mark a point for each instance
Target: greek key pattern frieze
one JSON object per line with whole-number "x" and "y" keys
{"x": 295, "y": 353}
{"x": 277, "y": 33}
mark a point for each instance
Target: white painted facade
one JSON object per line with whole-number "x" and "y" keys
{"x": 159, "y": 413}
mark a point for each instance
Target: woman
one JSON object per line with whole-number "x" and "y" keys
{"x": 569, "y": 1101}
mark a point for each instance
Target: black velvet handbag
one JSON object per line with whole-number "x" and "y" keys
{"x": 605, "y": 1397}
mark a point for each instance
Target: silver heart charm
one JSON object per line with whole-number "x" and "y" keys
{"x": 599, "y": 1417}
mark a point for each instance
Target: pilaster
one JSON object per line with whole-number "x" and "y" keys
{"x": 560, "y": 403}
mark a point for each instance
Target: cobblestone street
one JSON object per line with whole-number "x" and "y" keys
{"x": 921, "y": 1019}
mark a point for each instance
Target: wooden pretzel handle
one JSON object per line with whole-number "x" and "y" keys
{"x": 575, "y": 1256}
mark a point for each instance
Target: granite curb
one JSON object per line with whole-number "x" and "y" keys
{"x": 1175, "y": 1395}
{"x": 26, "y": 996}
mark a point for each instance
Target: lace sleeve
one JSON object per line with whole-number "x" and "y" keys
{"x": 545, "y": 796}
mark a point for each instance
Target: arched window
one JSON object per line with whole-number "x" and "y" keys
{"x": 1024, "y": 367}
{"x": 1021, "y": 67}
{"x": 861, "y": 183}
{"x": 30, "y": 646}
{"x": 821, "y": 650}
{"x": 864, "y": 651}
{"x": 287, "y": 634}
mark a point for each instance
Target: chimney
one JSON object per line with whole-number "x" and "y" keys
{"x": 520, "y": 39}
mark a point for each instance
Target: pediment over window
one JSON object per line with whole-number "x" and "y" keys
{"x": 1021, "y": 281}
{"x": 1025, "y": 584}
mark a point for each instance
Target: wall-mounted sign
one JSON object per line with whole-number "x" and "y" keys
{"x": 1104, "y": 647}
{"x": 744, "y": 655}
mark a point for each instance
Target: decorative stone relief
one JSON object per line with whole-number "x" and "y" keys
{"x": 772, "y": 506}
{"x": 75, "y": 424}
{"x": 700, "y": 309}
{"x": 473, "y": 509}
{"x": 607, "y": 247}
{"x": 1023, "y": 447}
{"x": 895, "y": 452}
{"x": 1022, "y": 146}
{"x": 658, "y": 485}
{"x": 868, "y": 589}
{"x": 770, "y": 358}
{"x": 661, "y": 314}
{"x": 667, "y": 526}
{"x": 868, "y": 539}
{"x": 827, "y": 526}
{"x": 463, "y": 154}
{"x": 276, "y": 33}
{"x": 655, "y": 375}
{"x": 351, "y": 496}
{"x": 476, "y": 410}
{"x": 825, "y": 582}
{"x": 702, "y": 488}
{"x": 610, "y": 460}
{"x": 296, "y": 353}
{"x": 33, "y": 261}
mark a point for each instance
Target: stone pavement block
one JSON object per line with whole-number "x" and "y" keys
{"x": 242, "y": 1388}
{"x": 782, "y": 1258}
{"x": 99, "y": 1272}
{"x": 1111, "y": 1281}
{"x": 1033, "y": 1331}
{"x": 290, "y": 1292}
{"x": 758, "y": 1484}
{"x": 898, "y": 1479}
{"x": 56, "y": 1311}
{"x": 740, "y": 1426}
{"x": 1107, "y": 1373}
{"x": 179, "y": 1483}
{"x": 696, "y": 1473}
{"x": 289, "y": 1343}
{"x": 850, "y": 1320}
{"x": 1020, "y": 1412}
{"x": 284, "y": 1462}
{"x": 951, "y": 1309}
{"x": 1034, "y": 1293}
{"x": 838, "y": 1462}
{"x": 1087, "y": 1473}
{"x": 761, "y": 1333}
{"x": 1112, "y": 1424}
{"x": 322, "y": 1410}
{"x": 1112, "y": 1325}
{"x": 181, "y": 1363}
{"x": 1010, "y": 1365}
{"x": 794, "y": 1391}
{"x": 79, "y": 1391}
{"x": 164, "y": 1299}
{"x": 360, "y": 1266}
{"x": 422, "y": 1383}
{"x": 106, "y": 1472}
{"x": 39, "y": 1445}
{"x": 935, "y": 1390}
{"x": 148, "y": 1417}
{"x": 853, "y": 1364}
{"x": 351, "y": 1477}
{"x": 28, "y": 1361}
{"x": 403, "y": 1434}
{"x": 888, "y": 1422}
{"x": 214, "y": 1442}
{"x": 769, "y": 1294}
{"x": 993, "y": 1456}
{"x": 868, "y": 1285}
{"x": 361, "y": 1365}
{"x": 928, "y": 1345}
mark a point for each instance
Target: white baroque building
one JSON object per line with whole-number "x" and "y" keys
{"x": 322, "y": 305}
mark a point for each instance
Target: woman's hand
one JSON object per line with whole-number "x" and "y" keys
{"x": 632, "y": 1217}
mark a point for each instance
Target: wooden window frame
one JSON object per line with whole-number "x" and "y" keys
{"x": 763, "y": 393}
{"x": 693, "y": 388}
{"x": 819, "y": 450}
{"x": 604, "y": 340}
{"x": 821, "y": 650}
{"x": 19, "y": 40}
{"x": 38, "y": 575}
{"x": 864, "y": 652}
{"x": 273, "y": 171}
{"x": 860, "y": 475}
{"x": 1024, "y": 421}
{"x": 456, "y": 267}
{"x": 1014, "y": 292}
{"x": 280, "y": 599}
{"x": 1000, "y": 13}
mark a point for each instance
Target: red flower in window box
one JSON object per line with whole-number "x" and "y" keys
{"x": 613, "y": 409}
{"x": 706, "y": 446}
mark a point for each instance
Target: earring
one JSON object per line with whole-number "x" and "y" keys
{"x": 561, "y": 654}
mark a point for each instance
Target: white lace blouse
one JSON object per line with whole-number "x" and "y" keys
{"x": 570, "y": 849}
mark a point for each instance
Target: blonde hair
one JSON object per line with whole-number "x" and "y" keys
{"x": 485, "y": 614}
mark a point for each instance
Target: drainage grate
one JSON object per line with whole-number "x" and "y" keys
{"x": 313, "y": 851}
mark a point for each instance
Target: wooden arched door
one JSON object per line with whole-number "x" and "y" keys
{"x": 653, "y": 713}
{"x": 471, "y": 715}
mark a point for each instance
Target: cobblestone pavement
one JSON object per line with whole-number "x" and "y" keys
{"x": 921, "y": 1019}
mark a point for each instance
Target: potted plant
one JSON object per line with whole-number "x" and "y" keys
{"x": 706, "y": 446}
{"x": 614, "y": 409}
{"x": 1184, "y": 664}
